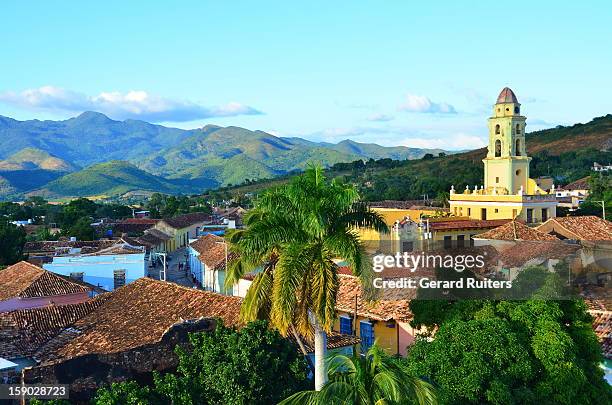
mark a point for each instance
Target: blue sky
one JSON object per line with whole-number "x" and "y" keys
{"x": 391, "y": 72}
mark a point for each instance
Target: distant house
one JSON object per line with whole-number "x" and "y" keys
{"x": 182, "y": 228}
{"x": 155, "y": 241}
{"x": 601, "y": 168}
{"x": 109, "y": 268}
{"x": 207, "y": 261}
{"x": 24, "y": 285}
{"x": 573, "y": 194}
{"x": 584, "y": 228}
{"x": 133, "y": 226}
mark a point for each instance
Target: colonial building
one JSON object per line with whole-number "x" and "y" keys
{"x": 508, "y": 192}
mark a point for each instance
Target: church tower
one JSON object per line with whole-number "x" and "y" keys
{"x": 506, "y": 166}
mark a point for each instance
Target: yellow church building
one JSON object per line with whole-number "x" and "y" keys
{"x": 508, "y": 192}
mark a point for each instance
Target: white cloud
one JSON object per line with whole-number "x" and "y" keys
{"x": 455, "y": 142}
{"x": 136, "y": 104}
{"x": 380, "y": 118}
{"x": 422, "y": 104}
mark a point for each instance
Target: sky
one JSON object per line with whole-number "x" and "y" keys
{"x": 407, "y": 73}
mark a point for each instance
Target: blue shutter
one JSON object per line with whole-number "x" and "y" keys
{"x": 366, "y": 334}
{"x": 346, "y": 325}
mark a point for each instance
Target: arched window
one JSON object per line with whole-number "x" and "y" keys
{"x": 497, "y": 148}
{"x": 497, "y": 129}
{"x": 518, "y": 128}
{"x": 517, "y": 150}
{"x": 517, "y": 110}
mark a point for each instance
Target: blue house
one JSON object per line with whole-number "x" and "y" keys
{"x": 109, "y": 268}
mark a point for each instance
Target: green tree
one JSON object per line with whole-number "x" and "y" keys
{"x": 82, "y": 229}
{"x": 126, "y": 393}
{"x": 12, "y": 240}
{"x": 293, "y": 234}
{"x": 375, "y": 378}
{"x": 511, "y": 352}
{"x": 254, "y": 365}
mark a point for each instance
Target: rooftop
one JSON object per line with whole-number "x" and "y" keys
{"x": 186, "y": 220}
{"x": 588, "y": 227}
{"x": 523, "y": 252}
{"x": 506, "y": 96}
{"x": 211, "y": 249}
{"x": 581, "y": 184}
{"x": 25, "y": 280}
{"x": 515, "y": 230}
{"x": 393, "y": 304}
{"x": 466, "y": 224}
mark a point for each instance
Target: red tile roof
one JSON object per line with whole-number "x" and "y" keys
{"x": 392, "y": 304}
{"x": 581, "y": 184}
{"x": 523, "y": 252}
{"x": 589, "y": 227}
{"x": 138, "y": 314}
{"x": 25, "y": 280}
{"x": 466, "y": 224}
{"x": 602, "y": 324}
{"x": 212, "y": 250}
{"x": 506, "y": 96}
{"x": 515, "y": 230}
{"x": 186, "y": 220}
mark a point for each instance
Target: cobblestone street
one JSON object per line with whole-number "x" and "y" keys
{"x": 173, "y": 273}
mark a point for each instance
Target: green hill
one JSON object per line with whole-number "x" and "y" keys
{"x": 32, "y": 159}
{"x": 109, "y": 178}
{"x": 564, "y": 153}
{"x": 231, "y": 155}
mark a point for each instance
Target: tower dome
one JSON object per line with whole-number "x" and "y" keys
{"x": 506, "y": 96}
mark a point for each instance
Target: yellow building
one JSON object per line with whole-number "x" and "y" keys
{"x": 508, "y": 192}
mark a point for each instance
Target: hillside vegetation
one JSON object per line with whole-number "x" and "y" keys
{"x": 564, "y": 153}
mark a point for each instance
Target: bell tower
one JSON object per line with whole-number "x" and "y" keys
{"x": 507, "y": 164}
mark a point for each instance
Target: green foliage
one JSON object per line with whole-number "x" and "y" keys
{"x": 81, "y": 229}
{"x": 254, "y": 365}
{"x": 510, "y": 352}
{"x": 168, "y": 206}
{"x": 601, "y": 190}
{"x": 12, "y": 239}
{"x": 375, "y": 378}
{"x": 126, "y": 393}
{"x": 293, "y": 234}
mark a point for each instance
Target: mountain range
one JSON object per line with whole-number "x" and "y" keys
{"x": 92, "y": 154}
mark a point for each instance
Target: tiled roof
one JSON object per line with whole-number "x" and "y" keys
{"x": 335, "y": 340}
{"x": 138, "y": 314}
{"x": 466, "y": 224}
{"x": 582, "y": 184}
{"x": 523, "y": 252}
{"x": 212, "y": 250}
{"x": 400, "y": 204}
{"x": 506, "y": 96}
{"x": 602, "y": 324}
{"x": 156, "y": 233}
{"x": 149, "y": 221}
{"x": 26, "y": 280}
{"x": 186, "y": 220}
{"x": 22, "y": 332}
{"x": 515, "y": 230}
{"x": 589, "y": 227}
{"x": 64, "y": 245}
{"x": 392, "y": 304}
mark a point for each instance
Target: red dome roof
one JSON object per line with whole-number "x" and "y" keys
{"x": 506, "y": 96}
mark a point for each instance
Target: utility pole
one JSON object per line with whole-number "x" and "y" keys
{"x": 162, "y": 272}
{"x": 603, "y": 207}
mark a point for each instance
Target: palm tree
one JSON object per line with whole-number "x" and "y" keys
{"x": 373, "y": 379}
{"x": 292, "y": 235}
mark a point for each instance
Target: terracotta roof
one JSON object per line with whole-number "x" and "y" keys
{"x": 523, "y": 252}
{"x": 466, "y": 224}
{"x": 25, "y": 280}
{"x": 589, "y": 227}
{"x": 393, "y": 304}
{"x": 138, "y": 314}
{"x": 156, "y": 233}
{"x": 335, "y": 340}
{"x": 23, "y": 332}
{"x": 581, "y": 184}
{"x": 51, "y": 247}
{"x": 515, "y": 230}
{"x": 602, "y": 324}
{"x": 506, "y": 96}
{"x": 149, "y": 221}
{"x": 212, "y": 250}
{"x": 186, "y": 220}
{"x": 410, "y": 204}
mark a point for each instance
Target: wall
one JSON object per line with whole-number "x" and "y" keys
{"x": 195, "y": 265}
{"x": 98, "y": 270}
